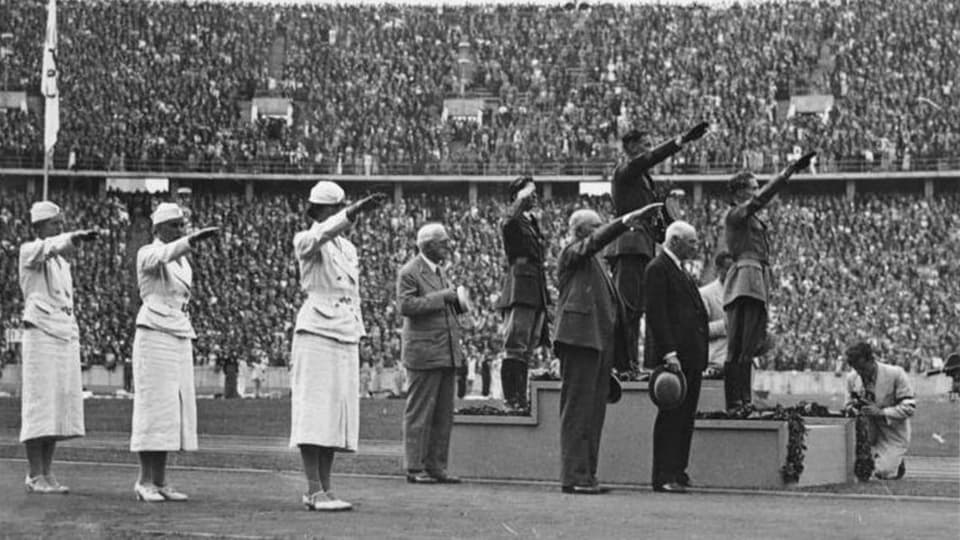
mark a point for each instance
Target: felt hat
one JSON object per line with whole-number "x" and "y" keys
{"x": 43, "y": 210}
{"x": 166, "y": 212}
{"x": 667, "y": 388}
{"x": 325, "y": 192}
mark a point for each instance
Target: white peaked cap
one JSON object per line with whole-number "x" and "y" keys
{"x": 43, "y": 210}
{"x": 165, "y": 212}
{"x": 326, "y": 193}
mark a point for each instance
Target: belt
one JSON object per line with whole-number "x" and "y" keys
{"x": 525, "y": 260}
{"x": 178, "y": 306}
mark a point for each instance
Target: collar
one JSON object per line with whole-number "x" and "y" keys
{"x": 674, "y": 258}
{"x": 433, "y": 266}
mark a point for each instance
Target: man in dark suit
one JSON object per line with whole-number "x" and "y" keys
{"x": 523, "y": 298}
{"x": 633, "y": 188}
{"x": 677, "y": 336}
{"x": 589, "y": 339}
{"x": 431, "y": 352}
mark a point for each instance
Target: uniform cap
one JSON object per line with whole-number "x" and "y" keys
{"x": 43, "y": 210}
{"x": 325, "y": 192}
{"x": 166, "y": 212}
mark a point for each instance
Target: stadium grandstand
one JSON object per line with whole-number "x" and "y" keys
{"x": 439, "y": 105}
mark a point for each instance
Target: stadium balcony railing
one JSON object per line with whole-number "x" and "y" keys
{"x": 473, "y": 168}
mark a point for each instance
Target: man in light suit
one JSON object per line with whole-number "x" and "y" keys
{"x": 712, "y": 294}
{"x": 676, "y": 336}
{"x": 431, "y": 353}
{"x": 881, "y": 393}
{"x": 591, "y": 337}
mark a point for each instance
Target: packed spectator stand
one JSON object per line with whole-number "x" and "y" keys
{"x": 882, "y": 268}
{"x": 156, "y": 85}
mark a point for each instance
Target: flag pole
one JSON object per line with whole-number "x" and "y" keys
{"x": 46, "y": 175}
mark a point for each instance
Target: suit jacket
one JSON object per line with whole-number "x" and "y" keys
{"x": 524, "y": 282}
{"x": 47, "y": 286}
{"x": 330, "y": 275}
{"x": 430, "y": 338}
{"x": 676, "y": 319}
{"x": 633, "y": 188}
{"x": 590, "y": 312}
{"x": 166, "y": 280}
{"x": 746, "y": 238}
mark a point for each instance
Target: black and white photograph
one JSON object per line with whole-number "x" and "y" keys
{"x": 480, "y": 269}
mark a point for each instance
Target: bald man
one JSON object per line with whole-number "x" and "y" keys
{"x": 431, "y": 354}
{"x": 677, "y": 335}
{"x": 591, "y": 323}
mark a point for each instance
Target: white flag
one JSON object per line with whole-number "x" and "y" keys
{"x": 48, "y": 84}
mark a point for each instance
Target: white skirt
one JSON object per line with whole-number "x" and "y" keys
{"x": 164, "y": 398}
{"x": 52, "y": 394}
{"x": 325, "y": 384}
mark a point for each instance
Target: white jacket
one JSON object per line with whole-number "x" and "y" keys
{"x": 330, "y": 275}
{"x": 47, "y": 286}
{"x": 165, "y": 279}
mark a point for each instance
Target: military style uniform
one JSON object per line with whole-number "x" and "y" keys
{"x": 523, "y": 303}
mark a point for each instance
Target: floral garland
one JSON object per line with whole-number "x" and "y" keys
{"x": 863, "y": 466}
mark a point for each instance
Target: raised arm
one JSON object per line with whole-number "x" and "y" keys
{"x": 770, "y": 190}
{"x": 35, "y": 254}
{"x": 309, "y": 242}
{"x": 152, "y": 256}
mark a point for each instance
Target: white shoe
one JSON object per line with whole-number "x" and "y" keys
{"x": 36, "y": 484}
{"x": 148, "y": 493}
{"x": 324, "y": 501}
{"x": 56, "y": 487}
{"x": 171, "y": 494}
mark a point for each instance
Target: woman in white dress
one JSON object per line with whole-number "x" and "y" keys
{"x": 164, "y": 402}
{"x": 52, "y": 395}
{"x": 325, "y": 407}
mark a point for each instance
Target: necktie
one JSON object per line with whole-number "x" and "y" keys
{"x": 440, "y": 275}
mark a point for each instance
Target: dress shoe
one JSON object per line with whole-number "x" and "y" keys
{"x": 325, "y": 501}
{"x": 669, "y": 487}
{"x": 584, "y": 490}
{"x": 684, "y": 480}
{"x": 901, "y": 470}
{"x": 444, "y": 478}
{"x": 147, "y": 493}
{"x": 421, "y": 477}
{"x": 171, "y": 494}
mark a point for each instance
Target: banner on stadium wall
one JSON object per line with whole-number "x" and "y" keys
{"x": 272, "y": 107}
{"x": 13, "y": 100}
{"x": 466, "y": 108}
{"x": 810, "y": 104}
{"x": 133, "y": 185}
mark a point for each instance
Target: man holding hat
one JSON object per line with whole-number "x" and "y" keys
{"x": 523, "y": 297}
{"x": 590, "y": 339}
{"x": 52, "y": 395}
{"x": 325, "y": 375}
{"x": 633, "y": 188}
{"x": 432, "y": 353}
{"x": 164, "y": 400}
{"x": 677, "y": 335}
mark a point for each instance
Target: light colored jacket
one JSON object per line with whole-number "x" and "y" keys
{"x": 889, "y": 433}
{"x": 165, "y": 280}
{"x": 47, "y": 286}
{"x": 712, "y": 294}
{"x": 330, "y": 275}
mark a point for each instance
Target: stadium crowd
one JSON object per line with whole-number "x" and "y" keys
{"x": 882, "y": 268}
{"x": 161, "y": 85}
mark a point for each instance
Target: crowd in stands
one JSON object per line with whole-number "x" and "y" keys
{"x": 163, "y": 85}
{"x": 882, "y": 268}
